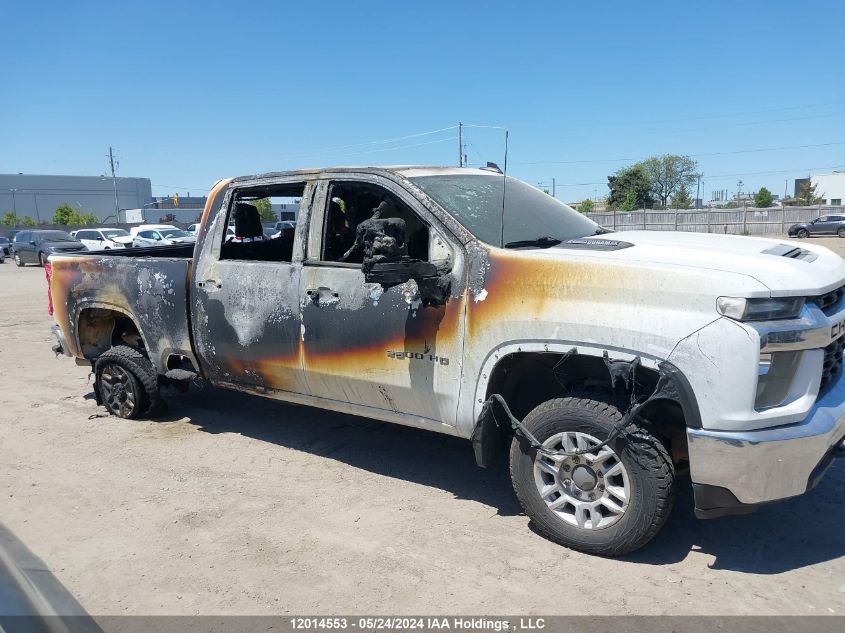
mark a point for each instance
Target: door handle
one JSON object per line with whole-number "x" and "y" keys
{"x": 316, "y": 293}
{"x": 209, "y": 283}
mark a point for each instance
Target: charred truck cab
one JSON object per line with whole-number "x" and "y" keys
{"x": 462, "y": 302}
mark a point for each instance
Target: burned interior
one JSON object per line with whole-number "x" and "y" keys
{"x": 355, "y": 205}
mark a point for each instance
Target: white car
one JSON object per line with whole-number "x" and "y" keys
{"x": 103, "y": 238}
{"x": 162, "y": 237}
{"x": 192, "y": 229}
{"x": 146, "y": 227}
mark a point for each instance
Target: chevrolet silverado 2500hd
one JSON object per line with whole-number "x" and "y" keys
{"x": 464, "y": 302}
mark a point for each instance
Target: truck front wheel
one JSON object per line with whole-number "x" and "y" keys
{"x": 607, "y": 500}
{"x": 127, "y": 384}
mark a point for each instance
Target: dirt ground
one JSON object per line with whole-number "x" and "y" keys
{"x": 240, "y": 505}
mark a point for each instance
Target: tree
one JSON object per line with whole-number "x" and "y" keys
{"x": 586, "y": 206}
{"x": 630, "y": 189}
{"x": 763, "y": 199}
{"x": 68, "y": 216}
{"x": 681, "y": 199}
{"x": 27, "y": 221}
{"x": 64, "y": 214}
{"x": 265, "y": 210}
{"x": 807, "y": 194}
{"x": 668, "y": 173}
{"x": 9, "y": 219}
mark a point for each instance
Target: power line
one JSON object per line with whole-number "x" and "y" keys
{"x": 717, "y": 176}
{"x": 370, "y": 143}
{"x": 389, "y": 149}
{"x": 749, "y": 113}
{"x": 739, "y": 151}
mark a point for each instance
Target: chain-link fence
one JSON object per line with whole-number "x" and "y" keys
{"x": 748, "y": 221}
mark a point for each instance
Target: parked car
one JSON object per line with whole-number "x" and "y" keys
{"x": 133, "y": 231}
{"x": 5, "y": 247}
{"x": 103, "y": 239}
{"x": 162, "y": 237}
{"x": 605, "y": 361}
{"x": 284, "y": 225}
{"x": 34, "y": 247}
{"x": 825, "y": 225}
{"x": 192, "y": 229}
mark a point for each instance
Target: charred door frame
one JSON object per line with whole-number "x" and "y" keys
{"x": 279, "y": 373}
{"x": 452, "y": 315}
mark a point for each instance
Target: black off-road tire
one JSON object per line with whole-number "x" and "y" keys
{"x": 149, "y": 401}
{"x": 648, "y": 463}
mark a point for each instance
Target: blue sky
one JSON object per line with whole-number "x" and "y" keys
{"x": 190, "y": 94}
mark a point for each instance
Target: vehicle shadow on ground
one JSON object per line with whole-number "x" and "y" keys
{"x": 405, "y": 453}
{"x": 779, "y": 537}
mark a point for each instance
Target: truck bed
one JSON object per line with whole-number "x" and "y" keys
{"x": 92, "y": 291}
{"x": 176, "y": 250}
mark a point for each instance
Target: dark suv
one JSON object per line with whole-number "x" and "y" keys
{"x": 825, "y": 225}
{"x": 34, "y": 247}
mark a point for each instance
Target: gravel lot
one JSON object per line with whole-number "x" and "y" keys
{"x": 240, "y": 505}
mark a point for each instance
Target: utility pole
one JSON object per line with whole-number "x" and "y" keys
{"x": 460, "y": 144}
{"x": 114, "y": 184}
{"x": 697, "y": 192}
{"x": 14, "y": 205}
{"x": 553, "y": 195}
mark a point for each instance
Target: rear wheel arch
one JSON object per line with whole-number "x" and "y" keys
{"x": 99, "y": 327}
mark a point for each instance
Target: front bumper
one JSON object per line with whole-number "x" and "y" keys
{"x": 764, "y": 465}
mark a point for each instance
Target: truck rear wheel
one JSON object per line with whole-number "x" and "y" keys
{"x": 127, "y": 384}
{"x": 609, "y": 500}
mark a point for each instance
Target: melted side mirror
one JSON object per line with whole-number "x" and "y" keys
{"x": 388, "y": 274}
{"x": 434, "y": 284}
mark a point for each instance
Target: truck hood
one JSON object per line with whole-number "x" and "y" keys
{"x": 122, "y": 239}
{"x": 785, "y": 267}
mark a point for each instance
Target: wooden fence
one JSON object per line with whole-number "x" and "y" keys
{"x": 748, "y": 221}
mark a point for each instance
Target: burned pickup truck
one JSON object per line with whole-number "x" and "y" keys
{"x": 467, "y": 303}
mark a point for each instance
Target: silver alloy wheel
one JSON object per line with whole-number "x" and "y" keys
{"x": 17, "y": 259}
{"x": 118, "y": 390}
{"x": 589, "y": 491}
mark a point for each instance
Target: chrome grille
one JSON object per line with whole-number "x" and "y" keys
{"x": 829, "y": 299}
{"x": 832, "y": 362}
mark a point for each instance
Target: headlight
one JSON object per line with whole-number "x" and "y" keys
{"x": 759, "y": 309}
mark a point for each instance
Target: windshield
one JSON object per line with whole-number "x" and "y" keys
{"x": 57, "y": 236}
{"x": 173, "y": 233}
{"x": 476, "y": 202}
{"x": 111, "y": 233}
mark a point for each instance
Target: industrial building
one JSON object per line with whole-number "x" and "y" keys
{"x": 37, "y": 196}
{"x": 829, "y": 187}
